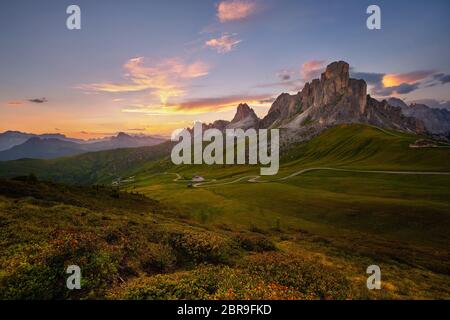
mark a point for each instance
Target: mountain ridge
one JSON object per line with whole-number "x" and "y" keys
{"x": 436, "y": 120}
{"x": 332, "y": 99}
{"x": 50, "y": 146}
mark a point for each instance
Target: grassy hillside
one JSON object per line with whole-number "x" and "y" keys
{"x": 365, "y": 147}
{"x": 394, "y": 220}
{"x": 309, "y": 235}
{"x": 94, "y": 167}
{"x": 129, "y": 247}
{"x": 346, "y": 146}
{"x": 355, "y": 147}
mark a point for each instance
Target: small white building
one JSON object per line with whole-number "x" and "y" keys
{"x": 197, "y": 179}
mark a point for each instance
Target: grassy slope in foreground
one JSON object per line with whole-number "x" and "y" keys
{"x": 131, "y": 247}
{"x": 325, "y": 225}
{"x": 128, "y": 247}
{"x": 398, "y": 220}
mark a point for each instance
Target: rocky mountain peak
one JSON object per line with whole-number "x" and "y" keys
{"x": 244, "y": 118}
{"x": 396, "y": 102}
{"x": 435, "y": 121}
{"x": 338, "y": 74}
{"x": 243, "y": 111}
{"x": 333, "y": 99}
{"x": 122, "y": 135}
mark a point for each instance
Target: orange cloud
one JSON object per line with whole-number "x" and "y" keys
{"x": 14, "y": 103}
{"x": 235, "y": 10}
{"x": 165, "y": 78}
{"x": 393, "y": 80}
{"x": 224, "y": 44}
{"x": 203, "y": 105}
{"x": 220, "y": 103}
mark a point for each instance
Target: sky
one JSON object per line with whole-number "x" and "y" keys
{"x": 150, "y": 67}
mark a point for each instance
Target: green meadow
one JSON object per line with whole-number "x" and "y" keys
{"x": 388, "y": 216}
{"x": 351, "y": 197}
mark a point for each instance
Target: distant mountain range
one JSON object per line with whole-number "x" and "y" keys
{"x": 18, "y": 145}
{"x": 436, "y": 121}
{"x": 10, "y": 139}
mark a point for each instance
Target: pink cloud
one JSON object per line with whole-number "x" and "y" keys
{"x": 202, "y": 105}
{"x": 235, "y": 10}
{"x": 312, "y": 69}
{"x": 164, "y": 78}
{"x": 224, "y": 44}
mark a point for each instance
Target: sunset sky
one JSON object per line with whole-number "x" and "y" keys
{"x": 154, "y": 66}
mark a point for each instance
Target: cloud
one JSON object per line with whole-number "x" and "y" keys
{"x": 385, "y": 85}
{"x": 393, "y": 80}
{"x": 446, "y": 79}
{"x": 165, "y": 79}
{"x": 38, "y": 100}
{"x": 294, "y": 80}
{"x": 221, "y": 103}
{"x": 443, "y": 78}
{"x": 235, "y": 10}
{"x": 224, "y": 44}
{"x": 202, "y": 105}
{"x": 369, "y": 77}
{"x": 292, "y": 84}
{"x": 285, "y": 78}
{"x": 14, "y": 103}
{"x": 285, "y": 75}
{"x": 403, "y": 88}
{"x": 97, "y": 133}
{"x": 312, "y": 69}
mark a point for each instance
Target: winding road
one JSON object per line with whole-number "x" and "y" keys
{"x": 255, "y": 178}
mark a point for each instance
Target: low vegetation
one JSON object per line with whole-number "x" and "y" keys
{"x": 308, "y": 237}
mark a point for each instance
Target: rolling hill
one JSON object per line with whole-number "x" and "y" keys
{"x": 346, "y": 146}
{"x": 94, "y": 167}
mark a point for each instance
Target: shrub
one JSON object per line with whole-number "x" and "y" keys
{"x": 39, "y": 272}
{"x": 314, "y": 281}
{"x": 255, "y": 242}
{"x": 158, "y": 258}
{"x": 200, "y": 246}
{"x": 205, "y": 282}
{"x": 181, "y": 285}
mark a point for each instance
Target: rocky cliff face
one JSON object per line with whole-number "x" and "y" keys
{"x": 245, "y": 118}
{"x": 333, "y": 99}
{"x": 436, "y": 121}
{"x": 384, "y": 115}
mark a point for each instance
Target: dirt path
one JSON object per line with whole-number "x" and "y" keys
{"x": 255, "y": 179}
